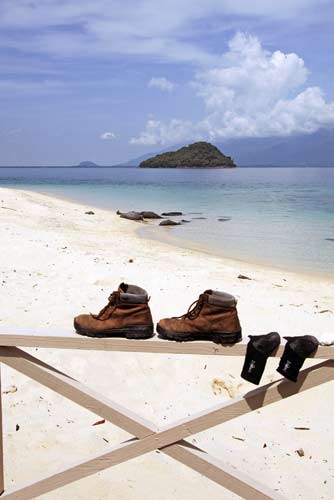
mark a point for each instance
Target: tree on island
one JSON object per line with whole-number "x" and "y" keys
{"x": 196, "y": 155}
{"x": 87, "y": 164}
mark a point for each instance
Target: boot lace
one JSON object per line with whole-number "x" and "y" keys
{"x": 193, "y": 310}
{"x": 112, "y": 304}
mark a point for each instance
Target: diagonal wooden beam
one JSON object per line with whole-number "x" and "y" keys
{"x": 182, "y": 451}
{"x": 262, "y": 396}
{"x": 221, "y": 473}
{"x": 72, "y": 389}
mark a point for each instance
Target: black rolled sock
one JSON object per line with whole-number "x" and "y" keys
{"x": 297, "y": 349}
{"x": 259, "y": 348}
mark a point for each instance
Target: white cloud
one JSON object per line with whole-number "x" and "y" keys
{"x": 147, "y": 28}
{"x": 157, "y": 132}
{"x": 252, "y": 92}
{"x": 108, "y": 136}
{"x": 162, "y": 83}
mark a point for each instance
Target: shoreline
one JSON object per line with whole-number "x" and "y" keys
{"x": 150, "y": 232}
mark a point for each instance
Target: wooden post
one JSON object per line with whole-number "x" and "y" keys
{"x": 2, "y": 483}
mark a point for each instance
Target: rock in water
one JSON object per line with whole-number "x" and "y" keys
{"x": 171, "y": 214}
{"x": 130, "y": 215}
{"x": 150, "y": 215}
{"x": 169, "y": 222}
{"x": 196, "y": 155}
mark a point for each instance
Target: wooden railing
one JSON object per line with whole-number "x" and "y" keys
{"x": 170, "y": 439}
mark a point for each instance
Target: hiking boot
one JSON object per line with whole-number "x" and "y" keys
{"x": 127, "y": 314}
{"x": 212, "y": 317}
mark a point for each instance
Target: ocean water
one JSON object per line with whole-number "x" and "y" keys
{"x": 278, "y": 216}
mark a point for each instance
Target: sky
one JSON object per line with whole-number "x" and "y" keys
{"x": 110, "y": 80}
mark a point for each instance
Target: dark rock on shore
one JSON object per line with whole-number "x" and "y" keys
{"x": 150, "y": 215}
{"x": 130, "y": 215}
{"x": 196, "y": 155}
{"x": 169, "y": 222}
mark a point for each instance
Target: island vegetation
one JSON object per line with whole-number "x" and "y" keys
{"x": 87, "y": 164}
{"x": 196, "y": 155}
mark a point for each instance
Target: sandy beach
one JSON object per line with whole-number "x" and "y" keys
{"x": 57, "y": 261}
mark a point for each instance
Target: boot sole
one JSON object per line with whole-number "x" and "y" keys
{"x": 131, "y": 332}
{"x": 215, "y": 336}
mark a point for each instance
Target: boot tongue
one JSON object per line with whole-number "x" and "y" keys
{"x": 122, "y": 287}
{"x": 132, "y": 294}
{"x": 105, "y": 312}
{"x": 220, "y": 298}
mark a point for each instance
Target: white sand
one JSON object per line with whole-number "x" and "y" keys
{"x": 57, "y": 262}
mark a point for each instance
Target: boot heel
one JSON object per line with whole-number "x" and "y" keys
{"x": 139, "y": 332}
{"x": 226, "y": 338}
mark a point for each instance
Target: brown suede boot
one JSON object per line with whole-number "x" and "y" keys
{"x": 212, "y": 317}
{"x": 127, "y": 314}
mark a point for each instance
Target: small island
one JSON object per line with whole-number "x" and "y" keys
{"x": 87, "y": 164}
{"x": 196, "y": 155}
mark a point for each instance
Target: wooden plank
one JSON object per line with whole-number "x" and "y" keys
{"x": 68, "y": 339}
{"x": 262, "y": 396}
{"x": 2, "y": 482}
{"x": 120, "y": 416}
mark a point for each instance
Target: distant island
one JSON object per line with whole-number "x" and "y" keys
{"x": 196, "y": 155}
{"x": 87, "y": 164}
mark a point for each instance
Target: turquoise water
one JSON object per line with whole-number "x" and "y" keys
{"x": 278, "y": 216}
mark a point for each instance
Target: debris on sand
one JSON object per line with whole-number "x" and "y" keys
{"x": 300, "y": 452}
{"x": 243, "y": 277}
{"x": 218, "y": 386}
{"x": 238, "y": 439}
{"x": 99, "y": 422}
{"x": 11, "y": 390}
